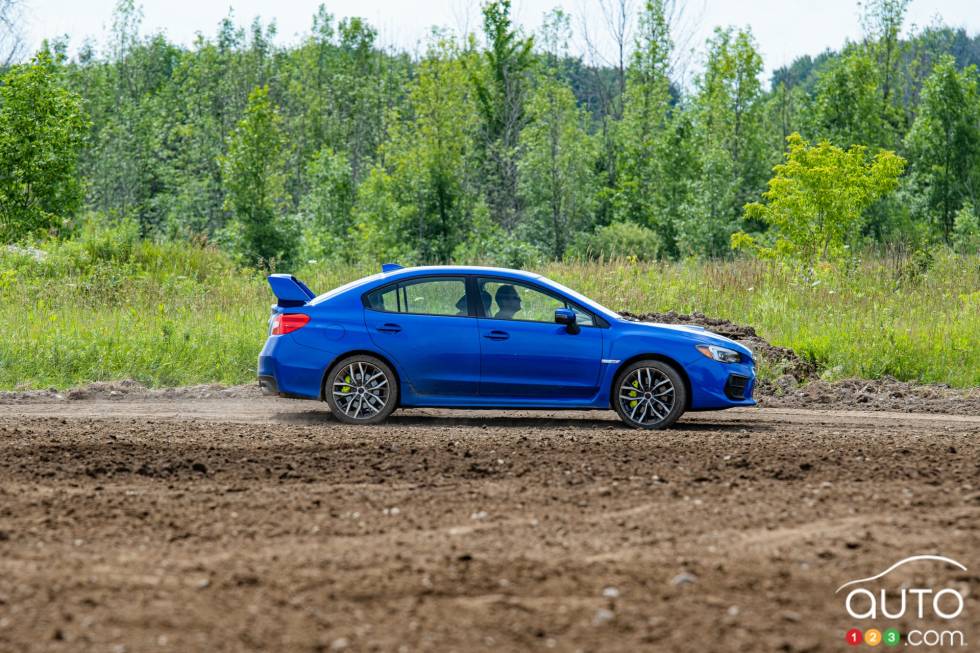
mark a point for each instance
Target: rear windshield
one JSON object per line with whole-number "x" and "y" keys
{"x": 344, "y": 288}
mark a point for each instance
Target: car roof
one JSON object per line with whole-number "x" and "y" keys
{"x": 381, "y": 278}
{"x": 423, "y": 270}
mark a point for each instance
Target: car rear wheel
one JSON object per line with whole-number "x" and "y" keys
{"x": 361, "y": 389}
{"x": 649, "y": 394}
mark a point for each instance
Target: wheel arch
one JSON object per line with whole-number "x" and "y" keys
{"x": 359, "y": 352}
{"x": 656, "y": 357}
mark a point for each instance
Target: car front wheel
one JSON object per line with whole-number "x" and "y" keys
{"x": 361, "y": 390}
{"x": 649, "y": 394}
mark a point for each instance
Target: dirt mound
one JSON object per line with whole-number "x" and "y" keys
{"x": 881, "y": 394}
{"x": 785, "y": 361}
{"x": 797, "y": 384}
{"x": 130, "y": 389}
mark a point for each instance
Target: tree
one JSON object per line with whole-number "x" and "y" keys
{"x": 558, "y": 180}
{"x": 856, "y": 100}
{"x": 608, "y": 86}
{"x": 427, "y": 174}
{"x": 325, "y": 211}
{"x": 254, "y": 182}
{"x": 501, "y": 84}
{"x": 944, "y": 141}
{"x": 643, "y": 129}
{"x": 846, "y": 107}
{"x": 729, "y": 113}
{"x": 817, "y": 197}
{"x": 42, "y": 129}
{"x": 882, "y": 22}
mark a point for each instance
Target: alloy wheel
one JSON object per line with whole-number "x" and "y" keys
{"x": 647, "y": 396}
{"x": 361, "y": 390}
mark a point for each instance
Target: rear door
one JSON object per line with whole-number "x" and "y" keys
{"x": 423, "y": 324}
{"x": 525, "y": 354}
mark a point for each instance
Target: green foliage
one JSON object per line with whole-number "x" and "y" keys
{"x": 379, "y": 221}
{"x": 643, "y": 133}
{"x": 489, "y": 244}
{"x": 847, "y": 110}
{"x": 42, "y": 128}
{"x": 728, "y": 132}
{"x": 944, "y": 141}
{"x": 619, "y": 240}
{"x": 557, "y": 168}
{"x": 857, "y": 96}
{"x": 252, "y": 172}
{"x": 325, "y": 212}
{"x": 966, "y": 230}
{"x": 421, "y": 200}
{"x": 817, "y": 198}
{"x": 500, "y": 79}
{"x": 882, "y": 22}
{"x": 366, "y": 152}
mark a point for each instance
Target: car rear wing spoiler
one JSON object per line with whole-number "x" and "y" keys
{"x": 289, "y": 290}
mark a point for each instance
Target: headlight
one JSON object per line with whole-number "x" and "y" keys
{"x": 714, "y": 352}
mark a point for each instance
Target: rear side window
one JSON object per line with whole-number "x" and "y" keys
{"x": 429, "y": 296}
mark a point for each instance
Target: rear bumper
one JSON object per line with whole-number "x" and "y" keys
{"x": 289, "y": 369}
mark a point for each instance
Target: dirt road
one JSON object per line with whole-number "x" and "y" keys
{"x": 240, "y": 524}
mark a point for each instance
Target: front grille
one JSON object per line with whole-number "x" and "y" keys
{"x": 735, "y": 386}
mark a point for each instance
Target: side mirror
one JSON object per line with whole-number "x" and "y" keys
{"x": 567, "y": 317}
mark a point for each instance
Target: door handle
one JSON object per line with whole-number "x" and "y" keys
{"x": 497, "y": 335}
{"x": 389, "y": 328}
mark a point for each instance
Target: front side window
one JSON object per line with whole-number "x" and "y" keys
{"x": 505, "y": 300}
{"x": 433, "y": 296}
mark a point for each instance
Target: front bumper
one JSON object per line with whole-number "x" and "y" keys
{"x": 716, "y": 385}
{"x": 739, "y": 387}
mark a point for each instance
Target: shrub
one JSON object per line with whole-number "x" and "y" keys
{"x": 618, "y": 240}
{"x": 966, "y": 230}
{"x": 817, "y": 199}
{"x": 489, "y": 244}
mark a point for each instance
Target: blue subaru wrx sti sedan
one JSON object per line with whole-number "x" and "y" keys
{"x": 478, "y": 337}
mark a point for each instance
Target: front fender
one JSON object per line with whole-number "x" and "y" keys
{"x": 706, "y": 378}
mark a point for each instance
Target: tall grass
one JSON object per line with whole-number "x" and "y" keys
{"x": 106, "y": 308}
{"x": 886, "y": 316}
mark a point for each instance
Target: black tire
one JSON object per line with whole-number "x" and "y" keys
{"x": 639, "y": 396}
{"x": 357, "y": 394}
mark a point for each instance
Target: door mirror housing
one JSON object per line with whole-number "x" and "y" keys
{"x": 567, "y": 317}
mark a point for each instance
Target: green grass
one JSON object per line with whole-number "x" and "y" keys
{"x": 173, "y": 314}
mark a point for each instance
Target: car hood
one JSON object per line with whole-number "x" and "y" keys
{"x": 700, "y": 334}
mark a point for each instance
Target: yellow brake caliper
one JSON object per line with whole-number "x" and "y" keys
{"x": 633, "y": 393}
{"x": 347, "y": 380}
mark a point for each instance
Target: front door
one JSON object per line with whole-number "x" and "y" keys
{"x": 525, "y": 354}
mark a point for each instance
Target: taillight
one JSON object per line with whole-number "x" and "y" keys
{"x": 284, "y": 323}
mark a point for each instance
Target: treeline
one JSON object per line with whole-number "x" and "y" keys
{"x": 498, "y": 147}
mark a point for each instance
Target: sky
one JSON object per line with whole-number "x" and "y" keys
{"x": 784, "y": 30}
